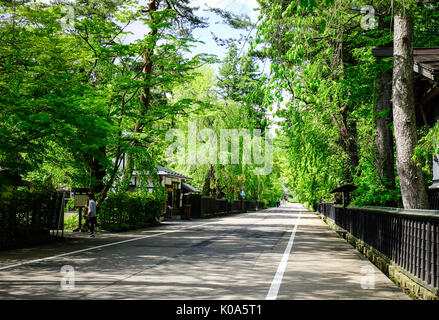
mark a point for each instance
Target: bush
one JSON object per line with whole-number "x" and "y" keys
{"x": 130, "y": 210}
{"x": 71, "y": 222}
{"x": 71, "y": 204}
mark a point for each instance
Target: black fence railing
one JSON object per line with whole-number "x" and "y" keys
{"x": 201, "y": 206}
{"x": 409, "y": 238}
{"x": 433, "y": 199}
{"x": 28, "y": 217}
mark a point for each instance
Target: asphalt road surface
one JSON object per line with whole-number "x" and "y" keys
{"x": 279, "y": 253}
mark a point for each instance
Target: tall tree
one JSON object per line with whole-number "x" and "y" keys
{"x": 320, "y": 60}
{"x": 240, "y": 80}
{"x": 411, "y": 179}
{"x": 81, "y": 134}
{"x": 159, "y": 17}
{"x": 384, "y": 138}
{"x": 40, "y": 121}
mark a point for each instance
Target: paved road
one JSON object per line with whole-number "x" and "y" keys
{"x": 279, "y": 253}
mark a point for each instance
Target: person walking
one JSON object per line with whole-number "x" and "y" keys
{"x": 91, "y": 214}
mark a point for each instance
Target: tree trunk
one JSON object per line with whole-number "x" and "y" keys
{"x": 145, "y": 96}
{"x": 384, "y": 138}
{"x": 128, "y": 172}
{"x": 411, "y": 179}
{"x": 97, "y": 173}
{"x": 210, "y": 175}
{"x": 348, "y": 139}
{"x": 110, "y": 182}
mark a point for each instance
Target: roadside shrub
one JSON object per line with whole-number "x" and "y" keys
{"x": 71, "y": 222}
{"x": 130, "y": 210}
{"x": 70, "y": 205}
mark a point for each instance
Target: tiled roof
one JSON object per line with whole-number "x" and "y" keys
{"x": 162, "y": 171}
{"x": 426, "y": 60}
{"x": 189, "y": 188}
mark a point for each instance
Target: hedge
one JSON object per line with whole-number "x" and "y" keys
{"x": 131, "y": 210}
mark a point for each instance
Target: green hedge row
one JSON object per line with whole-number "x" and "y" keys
{"x": 131, "y": 210}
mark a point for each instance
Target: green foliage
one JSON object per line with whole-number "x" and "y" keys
{"x": 131, "y": 210}
{"x": 70, "y": 97}
{"x": 71, "y": 222}
{"x": 38, "y": 115}
{"x": 237, "y": 105}
{"x": 426, "y": 19}
{"x": 372, "y": 189}
{"x": 233, "y": 20}
{"x": 70, "y": 204}
{"x": 75, "y": 102}
{"x": 323, "y": 71}
{"x": 426, "y": 151}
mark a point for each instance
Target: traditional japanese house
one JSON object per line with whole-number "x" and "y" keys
{"x": 173, "y": 183}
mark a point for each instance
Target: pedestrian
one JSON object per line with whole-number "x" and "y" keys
{"x": 91, "y": 214}
{"x": 87, "y": 219}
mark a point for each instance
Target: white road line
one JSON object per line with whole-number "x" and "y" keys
{"x": 277, "y": 280}
{"x": 101, "y": 246}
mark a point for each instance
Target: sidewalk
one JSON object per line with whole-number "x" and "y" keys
{"x": 323, "y": 265}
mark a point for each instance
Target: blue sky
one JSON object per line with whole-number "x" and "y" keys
{"x": 216, "y": 26}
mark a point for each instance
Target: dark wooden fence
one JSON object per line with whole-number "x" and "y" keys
{"x": 202, "y": 206}
{"x": 433, "y": 199}
{"x": 409, "y": 238}
{"x": 27, "y": 218}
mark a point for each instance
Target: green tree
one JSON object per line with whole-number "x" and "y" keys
{"x": 82, "y": 98}
{"x": 321, "y": 57}
{"x": 40, "y": 83}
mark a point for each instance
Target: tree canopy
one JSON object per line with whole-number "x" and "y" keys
{"x": 82, "y": 104}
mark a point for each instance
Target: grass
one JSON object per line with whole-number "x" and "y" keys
{"x": 71, "y": 222}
